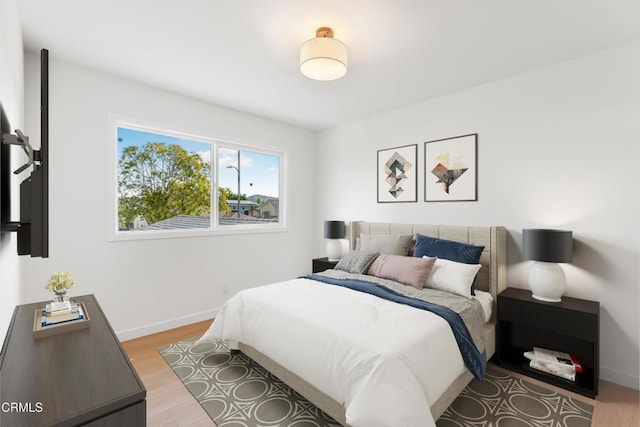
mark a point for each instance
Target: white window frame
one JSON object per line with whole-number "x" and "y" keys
{"x": 114, "y": 234}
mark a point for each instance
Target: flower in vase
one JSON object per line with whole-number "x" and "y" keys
{"x": 60, "y": 282}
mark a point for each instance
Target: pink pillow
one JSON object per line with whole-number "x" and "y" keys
{"x": 407, "y": 270}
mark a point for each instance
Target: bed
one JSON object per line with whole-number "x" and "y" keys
{"x": 320, "y": 381}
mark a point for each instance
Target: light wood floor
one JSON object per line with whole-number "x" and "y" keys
{"x": 170, "y": 404}
{"x": 168, "y": 401}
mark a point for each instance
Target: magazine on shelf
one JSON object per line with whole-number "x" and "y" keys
{"x": 553, "y": 369}
{"x": 557, "y": 358}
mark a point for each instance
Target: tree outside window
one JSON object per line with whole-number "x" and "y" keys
{"x": 164, "y": 182}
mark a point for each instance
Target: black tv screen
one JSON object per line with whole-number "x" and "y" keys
{"x": 40, "y": 175}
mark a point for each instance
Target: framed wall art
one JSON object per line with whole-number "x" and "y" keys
{"x": 397, "y": 174}
{"x": 451, "y": 169}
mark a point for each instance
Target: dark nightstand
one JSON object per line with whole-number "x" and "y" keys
{"x": 322, "y": 264}
{"x": 571, "y": 326}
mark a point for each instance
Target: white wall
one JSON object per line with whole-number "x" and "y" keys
{"x": 151, "y": 285}
{"x": 558, "y": 147}
{"x": 12, "y": 99}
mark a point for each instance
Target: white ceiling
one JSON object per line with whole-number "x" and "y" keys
{"x": 243, "y": 54}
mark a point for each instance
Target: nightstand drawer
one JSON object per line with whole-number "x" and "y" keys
{"x": 577, "y": 325}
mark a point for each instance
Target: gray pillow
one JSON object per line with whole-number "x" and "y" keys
{"x": 393, "y": 244}
{"x": 356, "y": 262}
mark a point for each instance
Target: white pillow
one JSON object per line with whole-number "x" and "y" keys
{"x": 451, "y": 276}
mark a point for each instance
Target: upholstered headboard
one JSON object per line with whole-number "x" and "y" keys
{"x": 492, "y": 276}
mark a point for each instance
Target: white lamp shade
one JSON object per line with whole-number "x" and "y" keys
{"x": 547, "y": 281}
{"x": 323, "y": 58}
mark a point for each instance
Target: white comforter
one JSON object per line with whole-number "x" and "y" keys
{"x": 385, "y": 361}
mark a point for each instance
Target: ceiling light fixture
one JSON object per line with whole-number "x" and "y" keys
{"x": 323, "y": 57}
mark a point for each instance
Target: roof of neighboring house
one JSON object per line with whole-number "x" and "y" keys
{"x": 242, "y": 202}
{"x": 201, "y": 221}
{"x": 227, "y": 220}
{"x": 262, "y": 197}
{"x": 181, "y": 222}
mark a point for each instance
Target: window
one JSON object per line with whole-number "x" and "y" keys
{"x": 165, "y": 182}
{"x": 249, "y": 184}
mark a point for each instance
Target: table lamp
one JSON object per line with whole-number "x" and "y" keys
{"x": 547, "y": 248}
{"x": 334, "y": 231}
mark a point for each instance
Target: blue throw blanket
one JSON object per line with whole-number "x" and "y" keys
{"x": 475, "y": 361}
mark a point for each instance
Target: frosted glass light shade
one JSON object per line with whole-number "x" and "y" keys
{"x": 323, "y": 58}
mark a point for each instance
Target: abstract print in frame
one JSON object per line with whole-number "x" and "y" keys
{"x": 451, "y": 169}
{"x": 397, "y": 174}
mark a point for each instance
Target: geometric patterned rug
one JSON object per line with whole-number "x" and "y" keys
{"x": 237, "y": 392}
{"x": 506, "y": 401}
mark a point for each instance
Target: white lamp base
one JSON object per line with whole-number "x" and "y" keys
{"x": 334, "y": 249}
{"x": 547, "y": 281}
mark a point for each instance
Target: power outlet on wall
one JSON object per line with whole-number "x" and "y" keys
{"x": 225, "y": 289}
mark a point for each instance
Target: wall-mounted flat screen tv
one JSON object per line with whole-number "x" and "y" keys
{"x": 33, "y": 225}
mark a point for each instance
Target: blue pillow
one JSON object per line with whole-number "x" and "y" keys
{"x": 447, "y": 249}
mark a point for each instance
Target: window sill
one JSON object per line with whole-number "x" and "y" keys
{"x": 174, "y": 234}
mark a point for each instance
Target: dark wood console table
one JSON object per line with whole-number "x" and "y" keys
{"x": 80, "y": 377}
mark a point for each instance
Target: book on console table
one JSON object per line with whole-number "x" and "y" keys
{"x": 50, "y": 318}
{"x": 44, "y": 327}
{"x": 59, "y": 307}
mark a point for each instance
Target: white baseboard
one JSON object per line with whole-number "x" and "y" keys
{"x": 620, "y": 378}
{"x": 165, "y": 325}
